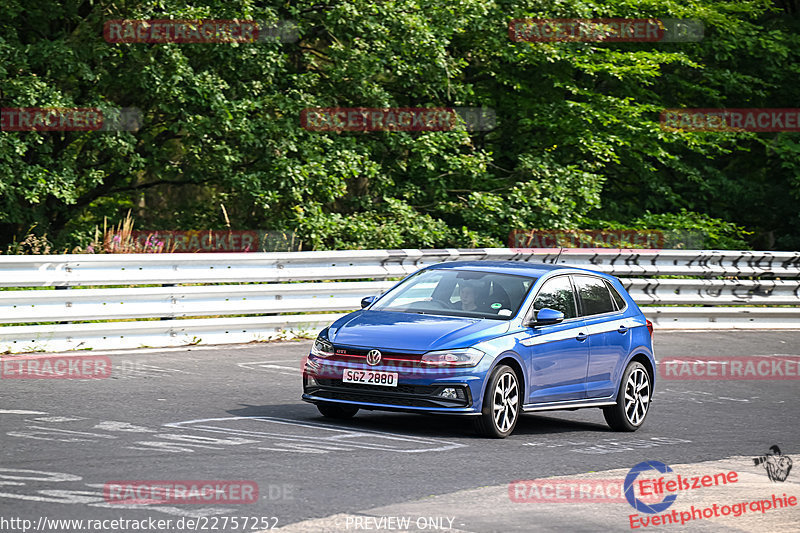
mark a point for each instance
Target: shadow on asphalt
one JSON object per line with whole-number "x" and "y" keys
{"x": 420, "y": 425}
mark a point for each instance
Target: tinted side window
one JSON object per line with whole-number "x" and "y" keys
{"x": 557, "y": 294}
{"x": 616, "y": 296}
{"x": 594, "y": 295}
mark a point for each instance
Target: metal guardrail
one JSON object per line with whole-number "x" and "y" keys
{"x": 689, "y": 318}
{"x": 208, "y": 300}
{"x": 713, "y": 291}
{"x": 128, "y": 269}
{"x": 177, "y": 302}
{"x": 777, "y": 282}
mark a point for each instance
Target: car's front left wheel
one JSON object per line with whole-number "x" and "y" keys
{"x": 501, "y": 404}
{"x": 633, "y": 400}
{"x": 334, "y": 410}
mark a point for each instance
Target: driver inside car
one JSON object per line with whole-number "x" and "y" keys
{"x": 469, "y": 297}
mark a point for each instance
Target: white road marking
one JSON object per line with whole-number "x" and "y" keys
{"x": 58, "y": 419}
{"x": 270, "y": 366}
{"x": 111, "y": 425}
{"x": 293, "y": 369}
{"x": 91, "y": 498}
{"x": 134, "y": 369}
{"x": 606, "y": 446}
{"x": 19, "y": 474}
{"x": 700, "y": 397}
{"x": 299, "y": 437}
{"x": 265, "y": 433}
{"x": 57, "y": 434}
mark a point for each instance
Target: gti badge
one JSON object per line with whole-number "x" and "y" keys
{"x": 373, "y": 357}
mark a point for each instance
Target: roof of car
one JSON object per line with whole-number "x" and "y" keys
{"x": 519, "y": 268}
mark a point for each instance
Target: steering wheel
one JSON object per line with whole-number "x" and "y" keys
{"x": 428, "y": 304}
{"x": 438, "y": 304}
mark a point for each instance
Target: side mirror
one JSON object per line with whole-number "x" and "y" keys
{"x": 545, "y": 317}
{"x": 367, "y": 301}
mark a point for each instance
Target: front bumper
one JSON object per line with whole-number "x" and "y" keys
{"x": 415, "y": 392}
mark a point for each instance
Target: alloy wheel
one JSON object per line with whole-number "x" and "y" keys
{"x": 506, "y": 400}
{"x": 637, "y": 396}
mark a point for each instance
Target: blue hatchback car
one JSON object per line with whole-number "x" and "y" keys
{"x": 489, "y": 340}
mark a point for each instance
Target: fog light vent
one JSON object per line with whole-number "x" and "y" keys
{"x": 452, "y": 393}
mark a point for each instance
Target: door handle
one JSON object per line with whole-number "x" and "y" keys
{"x": 622, "y": 329}
{"x": 581, "y": 337}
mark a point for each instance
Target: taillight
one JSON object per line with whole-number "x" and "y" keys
{"x": 649, "y": 327}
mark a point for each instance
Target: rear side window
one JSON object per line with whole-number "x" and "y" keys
{"x": 616, "y": 297}
{"x": 557, "y": 294}
{"x": 594, "y": 296}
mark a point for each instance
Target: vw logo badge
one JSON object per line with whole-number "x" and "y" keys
{"x": 373, "y": 357}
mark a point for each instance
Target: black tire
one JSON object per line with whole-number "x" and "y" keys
{"x": 633, "y": 399}
{"x": 334, "y": 410}
{"x": 491, "y": 422}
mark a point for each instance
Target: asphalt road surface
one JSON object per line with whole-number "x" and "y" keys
{"x": 234, "y": 413}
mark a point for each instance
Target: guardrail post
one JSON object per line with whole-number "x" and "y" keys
{"x": 167, "y": 285}
{"x": 68, "y": 304}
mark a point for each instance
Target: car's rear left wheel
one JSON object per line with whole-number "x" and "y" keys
{"x": 334, "y": 410}
{"x": 633, "y": 400}
{"x": 501, "y": 404}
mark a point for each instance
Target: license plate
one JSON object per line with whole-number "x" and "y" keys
{"x": 369, "y": 377}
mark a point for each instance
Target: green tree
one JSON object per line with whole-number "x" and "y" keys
{"x": 577, "y": 134}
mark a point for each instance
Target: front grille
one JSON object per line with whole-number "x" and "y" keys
{"x": 359, "y": 355}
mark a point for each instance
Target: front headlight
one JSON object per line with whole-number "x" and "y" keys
{"x": 322, "y": 348}
{"x": 459, "y": 357}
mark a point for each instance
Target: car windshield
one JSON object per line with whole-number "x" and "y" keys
{"x": 455, "y": 292}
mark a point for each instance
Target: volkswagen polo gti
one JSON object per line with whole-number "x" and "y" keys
{"x": 489, "y": 340}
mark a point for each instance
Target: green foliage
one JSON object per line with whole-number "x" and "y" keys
{"x": 685, "y": 229}
{"x": 713, "y": 233}
{"x": 577, "y": 136}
